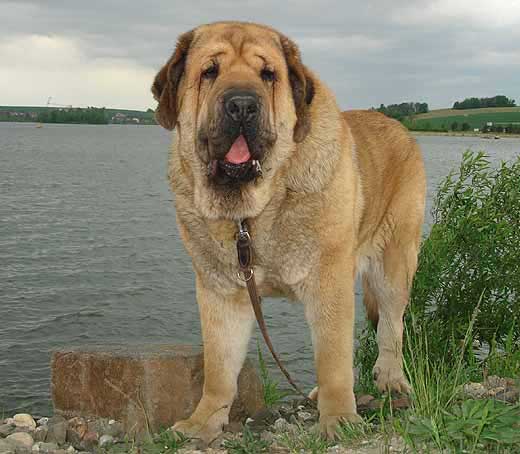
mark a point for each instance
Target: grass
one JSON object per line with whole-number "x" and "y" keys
{"x": 249, "y": 443}
{"x": 165, "y": 442}
{"x": 475, "y": 120}
{"x": 457, "y": 112}
{"x": 303, "y": 440}
{"x": 272, "y": 392}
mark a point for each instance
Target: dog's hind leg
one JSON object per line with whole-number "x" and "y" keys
{"x": 386, "y": 283}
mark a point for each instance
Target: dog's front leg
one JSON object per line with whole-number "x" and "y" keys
{"x": 329, "y": 308}
{"x": 226, "y": 328}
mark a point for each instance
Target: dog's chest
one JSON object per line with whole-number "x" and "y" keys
{"x": 282, "y": 257}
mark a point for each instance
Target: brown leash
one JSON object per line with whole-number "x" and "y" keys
{"x": 246, "y": 273}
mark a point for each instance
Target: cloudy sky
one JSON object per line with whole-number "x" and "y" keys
{"x": 106, "y": 52}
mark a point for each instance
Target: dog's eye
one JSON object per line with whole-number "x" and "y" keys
{"x": 267, "y": 75}
{"x": 211, "y": 72}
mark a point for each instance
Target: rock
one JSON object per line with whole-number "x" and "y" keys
{"x": 114, "y": 428}
{"x": 364, "y": 400}
{"x": 268, "y": 436}
{"x": 153, "y": 385}
{"x": 304, "y": 416}
{"x": 6, "y": 429}
{"x": 57, "y": 430}
{"x": 89, "y": 441}
{"x": 106, "y": 440}
{"x": 43, "y": 421}
{"x": 474, "y": 390}
{"x": 24, "y": 420}
{"x": 511, "y": 396}
{"x": 9, "y": 421}
{"x": 76, "y": 430}
{"x": 493, "y": 381}
{"x": 45, "y": 448}
{"x": 263, "y": 419}
{"x": 6, "y": 447}
{"x": 21, "y": 441}
{"x": 494, "y": 391}
{"x": 40, "y": 433}
{"x": 293, "y": 420}
{"x": 283, "y": 426}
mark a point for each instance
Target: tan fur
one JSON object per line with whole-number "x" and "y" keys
{"x": 341, "y": 193}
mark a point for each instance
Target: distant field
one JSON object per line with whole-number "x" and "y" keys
{"x": 456, "y": 112}
{"x": 443, "y": 118}
{"x": 110, "y": 111}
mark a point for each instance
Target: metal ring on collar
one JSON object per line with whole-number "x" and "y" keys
{"x": 242, "y": 275}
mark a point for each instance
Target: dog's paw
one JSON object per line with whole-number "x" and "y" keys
{"x": 390, "y": 378}
{"x": 329, "y": 424}
{"x": 206, "y": 432}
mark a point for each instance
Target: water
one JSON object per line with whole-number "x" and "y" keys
{"x": 90, "y": 253}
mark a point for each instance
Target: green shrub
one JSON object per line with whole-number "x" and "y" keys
{"x": 472, "y": 254}
{"x": 468, "y": 280}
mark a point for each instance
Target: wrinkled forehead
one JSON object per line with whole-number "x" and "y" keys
{"x": 245, "y": 40}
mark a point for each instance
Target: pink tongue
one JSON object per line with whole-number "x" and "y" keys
{"x": 239, "y": 151}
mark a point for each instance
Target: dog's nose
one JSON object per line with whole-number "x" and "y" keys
{"x": 241, "y": 106}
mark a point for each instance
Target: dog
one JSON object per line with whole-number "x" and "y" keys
{"x": 326, "y": 194}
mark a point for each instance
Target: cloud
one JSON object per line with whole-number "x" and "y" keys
{"x": 378, "y": 51}
{"x": 42, "y": 66}
{"x": 500, "y": 14}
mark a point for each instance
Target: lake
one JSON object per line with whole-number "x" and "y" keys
{"x": 90, "y": 253}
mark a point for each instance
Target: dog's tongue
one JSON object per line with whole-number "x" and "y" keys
{"x": 239, "y": 151}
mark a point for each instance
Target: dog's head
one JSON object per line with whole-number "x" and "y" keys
{"x": 240, "y": 95}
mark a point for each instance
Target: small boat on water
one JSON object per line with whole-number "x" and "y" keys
{"x": 39, "y": 125}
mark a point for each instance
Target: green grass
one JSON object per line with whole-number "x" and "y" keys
{"x": 249, "y": 443}
{"x": 476, "y": 118}
{"x": 454, "y": 112}
{"x": 165, "y": 442}
{"x": 304, "y": 440}
{"x": 504, "y": 360}
{"x": 272, "y": 392}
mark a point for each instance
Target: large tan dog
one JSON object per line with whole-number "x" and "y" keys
{"x": 340, "y": 193}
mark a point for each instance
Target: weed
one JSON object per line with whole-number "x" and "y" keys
{"x": 272, "y": 393}
{"x": 471, "y": 426}
{"x": 250, "y": 443}
{"x": 304, "y": 440}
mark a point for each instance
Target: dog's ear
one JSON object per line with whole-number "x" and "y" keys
{"x": 167, "y": 80}
{"x": 302, "y": 88}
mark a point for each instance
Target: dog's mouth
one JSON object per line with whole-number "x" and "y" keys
{"x": 238, "y": 165}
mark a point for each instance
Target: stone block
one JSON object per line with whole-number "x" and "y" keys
{"x": 146, "y": 387}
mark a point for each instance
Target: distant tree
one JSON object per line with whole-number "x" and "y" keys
{"x": 479, "y": 103}
{"x": 454, "y": 126}
{"x": 465, "y": 126}
{"x": 403, "y": 110}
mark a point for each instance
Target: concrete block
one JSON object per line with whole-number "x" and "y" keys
{"x": 146, "y": 387}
